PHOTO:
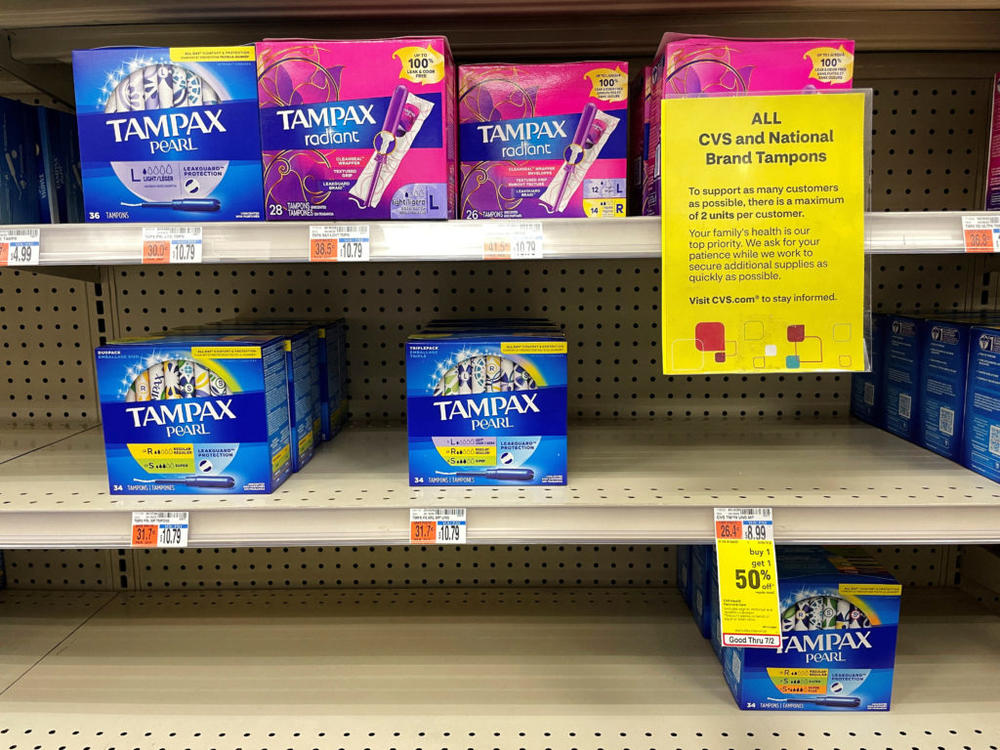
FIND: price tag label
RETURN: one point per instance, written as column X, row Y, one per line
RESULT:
column 171, row 244
column 19, row 246
column 981, row 233
column 513, row 240
column 748, row 577
column 159, row 529
column 342, row 243
column 437, row 525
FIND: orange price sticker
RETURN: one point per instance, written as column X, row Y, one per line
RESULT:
column 728, row 529
column 4, row 248
column 422, row 532
column 978, row 241
column 496, row 248
column 321, row 250
column 144, row 536
column 156, row 251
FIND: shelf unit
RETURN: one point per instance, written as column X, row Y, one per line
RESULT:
column 642, row 482
column 564, row 239
column 453, row 668
column 303, row 619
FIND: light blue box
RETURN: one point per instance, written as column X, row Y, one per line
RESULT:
column 944, row 372
column 867, row 387
column 486, row 407
column 700, row 587
column 195, row 413
column 839, row 612
column 902, row 376
column 169, row 134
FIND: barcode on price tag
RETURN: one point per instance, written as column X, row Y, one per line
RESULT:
column 513, row 240
column 171, row 244
column 343, row 243
column 19, row 246
column 981, row 233
column 159, row 528
column 437, row 525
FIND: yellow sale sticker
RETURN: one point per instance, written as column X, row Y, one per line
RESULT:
column 748, row 578
column 831, row 65
column 420, row 64
column 607, row 85
column 763, row 233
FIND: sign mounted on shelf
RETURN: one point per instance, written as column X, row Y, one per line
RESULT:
column 512, row 240
column 19, row 246
column 763, row 233
column 748, row 578
column 343, row 243
column 160, row 528
column 171, row 244
column 437, row 526
column 981, row 233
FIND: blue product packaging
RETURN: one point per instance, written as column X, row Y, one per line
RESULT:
column 169, row 134
column 714, row 613
column 19, row 184
column 684, row 572
column 867, row 387
column 839, row 617
column 945, row 357
column 195, row 414
column 486, row 407
column 901, row 404
column 333, row 380
column 981, row 450
column 700, row 593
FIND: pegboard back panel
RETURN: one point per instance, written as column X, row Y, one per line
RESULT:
column 610, row 310
column 928, row 143
column 476, row 566
column 47, row 338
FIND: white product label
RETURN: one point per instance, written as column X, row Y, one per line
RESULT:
column 994, row 447
column 513, row 240
column 904, row 405
column 19, row 246
column 870, row 394
column 159, row 528
column 344, row 243
column 946, row 421
column 437, row 525
column 171, row 244
column 981, row 233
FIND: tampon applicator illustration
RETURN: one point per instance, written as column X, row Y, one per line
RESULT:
column 510, row 475
column 181, row 204
column 833, row 701
column 399, row 118
column 573, row 154
column 216, row 482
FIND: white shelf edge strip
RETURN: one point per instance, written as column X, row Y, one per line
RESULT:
column 634, row 237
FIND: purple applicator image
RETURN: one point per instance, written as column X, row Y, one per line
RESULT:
column 399, row 120
column 588, row 138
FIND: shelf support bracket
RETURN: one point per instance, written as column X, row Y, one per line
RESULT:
column 54, row 79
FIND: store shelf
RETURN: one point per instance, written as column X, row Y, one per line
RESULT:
column 636, row 481
column 288, row 242
column 17, row 440
column 454, row 669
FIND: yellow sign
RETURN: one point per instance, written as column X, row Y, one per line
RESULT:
column 420, row 64
column 748, row 578
column 212, row 54
column 763, row 233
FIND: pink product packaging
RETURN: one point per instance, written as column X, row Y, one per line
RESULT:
column 691, row 64
column 993, row 163
column 543, row 140
column 360, row 129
